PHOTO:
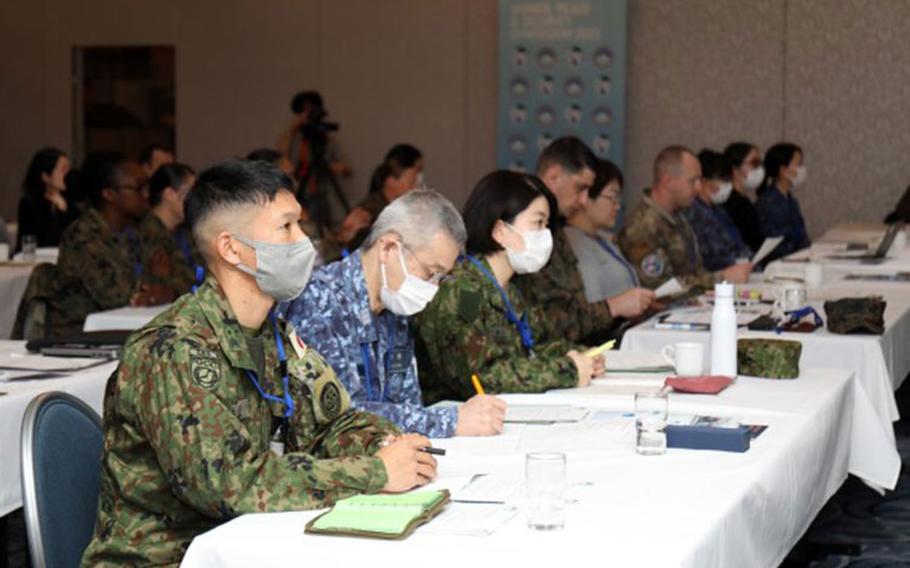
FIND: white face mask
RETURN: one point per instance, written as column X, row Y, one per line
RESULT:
column 722, row 194
column 800, row 177
column 538, row 246
column 754, row 179
column 413, row 295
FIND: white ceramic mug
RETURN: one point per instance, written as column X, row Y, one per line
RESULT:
column 790, row 296
column 686, row 357
column 814, row 274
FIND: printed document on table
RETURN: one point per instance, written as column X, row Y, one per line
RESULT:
column 470, row 519
column 766, row 248
column 544, row 413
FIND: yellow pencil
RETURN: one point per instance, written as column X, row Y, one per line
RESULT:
column 594, row 352
column 477, row 386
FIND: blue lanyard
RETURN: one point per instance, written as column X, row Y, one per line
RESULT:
column 198, row 269
column 132, row 247
column 286, row 400
column 618, row 257
column 372, row 379
column 524, row 330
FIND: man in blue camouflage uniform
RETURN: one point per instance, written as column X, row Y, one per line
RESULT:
column 355, row 313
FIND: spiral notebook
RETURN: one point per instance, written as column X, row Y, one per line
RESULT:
column 380, row 516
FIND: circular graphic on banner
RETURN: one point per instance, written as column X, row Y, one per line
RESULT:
column 543, row 140
column 518, row 145
column 576, row 56
column 602, row 85
column 601, row 144
column 546, row 58
column 519, row 87
column 518, row 114
column 601, row 116
column 546, row 85
column 603, row 57
column 573, row 115
column 574, row 87
column 546, row 116
column 520, row 56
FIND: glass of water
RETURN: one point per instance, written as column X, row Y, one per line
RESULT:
column 29, row 247
column 545, row 480
column 651, row 423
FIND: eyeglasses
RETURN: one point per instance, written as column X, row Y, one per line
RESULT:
column 435, row 278
column 615, row 198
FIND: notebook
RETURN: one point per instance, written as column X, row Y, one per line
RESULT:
column 380, row 516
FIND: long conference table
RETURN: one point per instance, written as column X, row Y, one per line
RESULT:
column 686, row 508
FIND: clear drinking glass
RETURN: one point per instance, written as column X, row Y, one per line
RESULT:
column 651, row 423
column 29, row 247
column 545, row 481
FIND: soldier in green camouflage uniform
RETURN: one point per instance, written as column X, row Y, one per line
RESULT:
column 98, row 268
column 167, row 252
column 479, row 322
column 658, row 241
column 201, row 421
column 566, row 167
column 464, row 331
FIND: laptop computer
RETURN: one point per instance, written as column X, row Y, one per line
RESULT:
column 878, row 256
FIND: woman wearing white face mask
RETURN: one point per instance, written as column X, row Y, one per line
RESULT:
column 748, row 174
column 479, row 323
column 778, row 209
column 719, row 240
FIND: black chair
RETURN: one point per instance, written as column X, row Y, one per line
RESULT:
column 62, row 442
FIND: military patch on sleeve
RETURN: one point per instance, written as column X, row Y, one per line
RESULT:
column 330, row 401
column 204, row 368
column 469, row 305
column 653, row 265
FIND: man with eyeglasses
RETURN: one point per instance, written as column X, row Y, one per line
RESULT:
column 99, row 266
column 355, row 313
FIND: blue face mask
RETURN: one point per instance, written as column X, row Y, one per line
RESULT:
column 282, row 269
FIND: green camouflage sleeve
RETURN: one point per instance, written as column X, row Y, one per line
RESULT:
column 353, row 434
column 102, row 266
column 162, row 262
column 654, row 263
column 559, row 291
column 216, row 455
column 461, row 341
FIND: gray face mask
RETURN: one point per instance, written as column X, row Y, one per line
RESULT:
column 282, row 269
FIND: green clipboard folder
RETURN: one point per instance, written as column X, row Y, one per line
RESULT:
column 391, row 517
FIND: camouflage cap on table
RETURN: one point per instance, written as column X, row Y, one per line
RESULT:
column 768, row 358
column 856, row 315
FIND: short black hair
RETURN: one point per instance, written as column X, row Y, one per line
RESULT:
column 169, row 175
column 265, row 155
column 776, row 157
column 500, row 196
column 605, row 172
column 737, row 152
column 715, row 165
column 234, row 183
column 301, row 99
column 399, row 158
column 568, row 152
column 99, row 171
column 43, row 162
column 145, row 157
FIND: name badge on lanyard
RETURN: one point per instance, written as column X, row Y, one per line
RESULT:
column 399, row 360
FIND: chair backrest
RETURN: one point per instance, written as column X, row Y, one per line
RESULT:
column 62, row 442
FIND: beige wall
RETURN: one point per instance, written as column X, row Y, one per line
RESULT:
column 832, row 75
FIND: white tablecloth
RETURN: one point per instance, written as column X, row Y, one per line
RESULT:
column 879, row 363
column 122, row 318
column 687, row 508
column 13, row 280
column 88, row 385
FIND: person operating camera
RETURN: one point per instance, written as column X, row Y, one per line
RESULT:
column 307, row 140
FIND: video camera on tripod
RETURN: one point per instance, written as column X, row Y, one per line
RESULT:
column 314, row 130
